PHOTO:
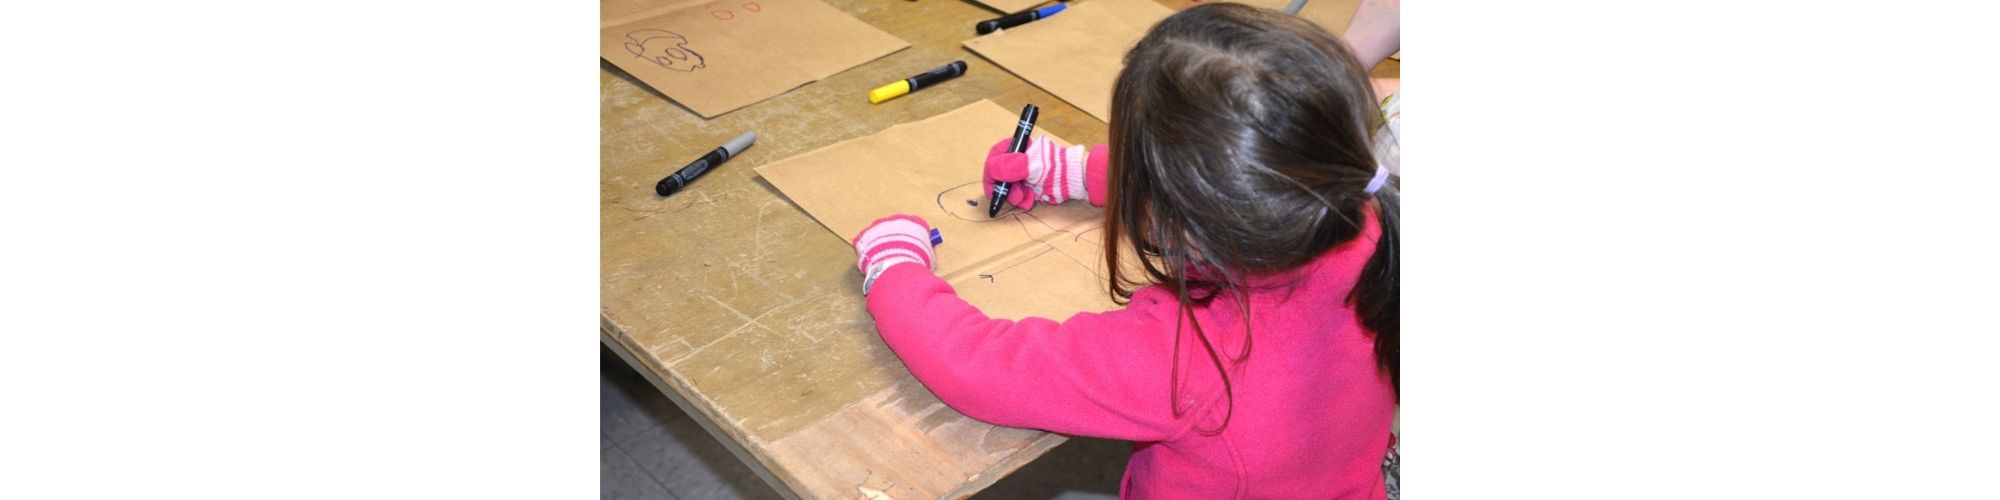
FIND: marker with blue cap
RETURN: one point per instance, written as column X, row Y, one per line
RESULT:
column 1017, row 19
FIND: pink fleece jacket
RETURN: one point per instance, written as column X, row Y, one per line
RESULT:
column 1311, row 412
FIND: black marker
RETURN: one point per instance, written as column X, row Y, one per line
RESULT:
column 1020, row 145
column 929, row 78
column 1016, row 19
column 687, row 174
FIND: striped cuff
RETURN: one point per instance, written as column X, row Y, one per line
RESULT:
column 882, row 266
column 1073, row 169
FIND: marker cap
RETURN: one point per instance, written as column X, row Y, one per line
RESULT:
column 740, row 143
column 890, row 91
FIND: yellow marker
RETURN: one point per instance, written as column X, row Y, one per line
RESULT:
column 929, row 78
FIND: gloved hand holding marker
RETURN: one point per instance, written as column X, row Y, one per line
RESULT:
column 1039, row 170
column 1021, row 130
column 1047, row 172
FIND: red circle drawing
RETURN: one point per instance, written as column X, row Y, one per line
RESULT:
column 722, row 14
column 753, row 7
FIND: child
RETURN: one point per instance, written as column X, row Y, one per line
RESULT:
column 1241, row 170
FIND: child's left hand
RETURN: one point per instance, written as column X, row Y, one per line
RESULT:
column 892, row 240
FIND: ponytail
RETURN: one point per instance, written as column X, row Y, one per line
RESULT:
column 1377, row 296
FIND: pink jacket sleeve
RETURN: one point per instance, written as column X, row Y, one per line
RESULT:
column 1097, row 374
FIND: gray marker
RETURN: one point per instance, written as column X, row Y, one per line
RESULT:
column 687, row 174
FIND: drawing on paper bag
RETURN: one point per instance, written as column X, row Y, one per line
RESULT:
column 1056, row 242
column 664, row 48
column 1046, row 262
column 723, row 55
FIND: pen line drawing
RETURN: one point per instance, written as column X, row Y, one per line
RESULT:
column 1022, row 218
column 664, row 48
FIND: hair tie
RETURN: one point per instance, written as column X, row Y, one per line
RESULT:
column 1375, row 184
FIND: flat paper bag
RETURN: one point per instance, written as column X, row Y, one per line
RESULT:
column 1334, row 15
column 1077, row 54
column 1047, row 262
column 615, row 12
column 1011, row 6
column 723, row 55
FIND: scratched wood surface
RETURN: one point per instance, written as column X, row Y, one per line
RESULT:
column 748, row 314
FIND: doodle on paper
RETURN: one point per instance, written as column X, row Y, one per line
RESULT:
column 664, row 48
column 1036, row 229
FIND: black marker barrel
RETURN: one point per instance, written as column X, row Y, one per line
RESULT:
column 1022, row 130
column 1016, row 19
column 932, row 77
column 907, row 85
column 687, row 174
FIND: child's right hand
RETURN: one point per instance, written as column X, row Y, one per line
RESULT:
column 1046, row 172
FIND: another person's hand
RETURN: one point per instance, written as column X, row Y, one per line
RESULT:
column 1375, row 31
column 889, row 241
column 1046, row 172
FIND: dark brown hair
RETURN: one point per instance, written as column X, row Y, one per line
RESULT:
column 1240, row 146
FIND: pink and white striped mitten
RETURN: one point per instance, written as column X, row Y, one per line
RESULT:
column 892, row 240
column 1046, row 172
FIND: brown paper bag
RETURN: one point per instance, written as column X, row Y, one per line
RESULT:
column 616, row 12
column 722, row 55
column 1077, row 54
column 1334, row 15
column 1008, row 6
column 1047, row 262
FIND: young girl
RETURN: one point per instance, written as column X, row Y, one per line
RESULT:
column 1256, row 356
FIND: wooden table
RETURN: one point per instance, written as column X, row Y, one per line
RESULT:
column 749, row 315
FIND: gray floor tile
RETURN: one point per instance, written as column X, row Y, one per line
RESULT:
column 1083, row 468
column 665, row 443
column 620, row 478
column 707, row 469
column 1079, row 495
column 651, row 450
